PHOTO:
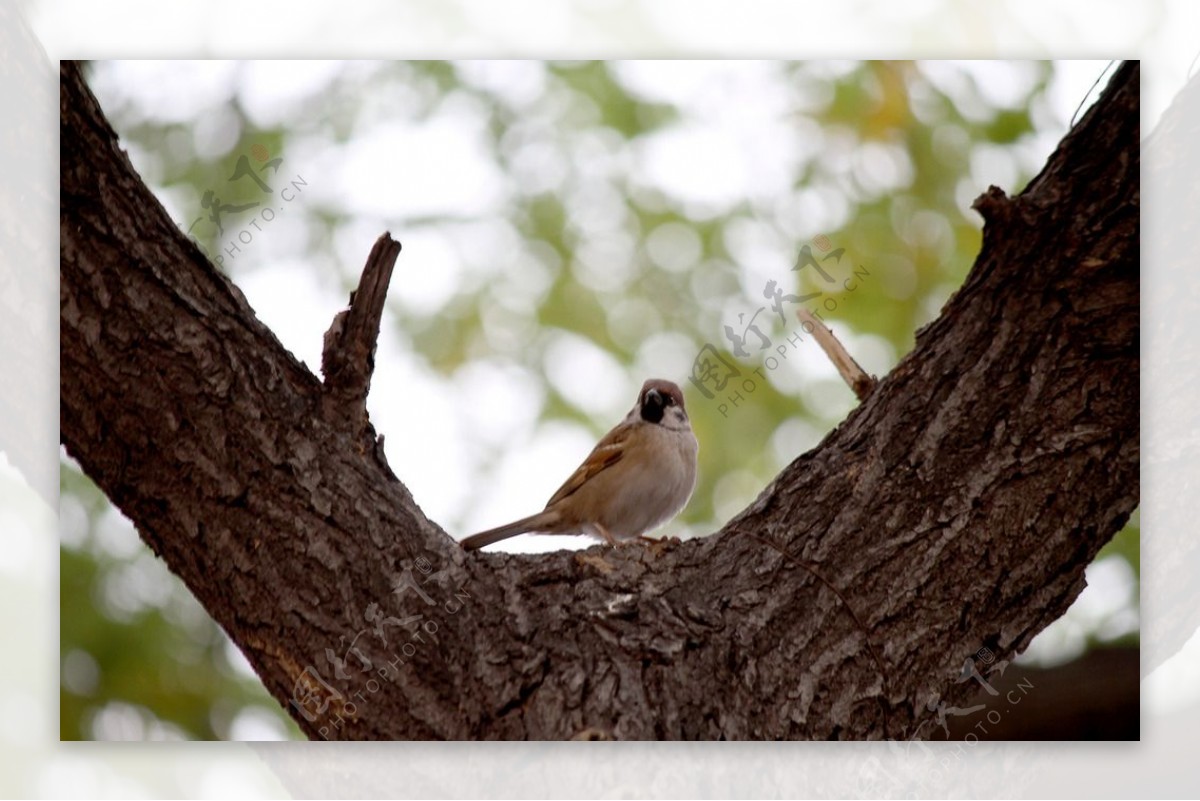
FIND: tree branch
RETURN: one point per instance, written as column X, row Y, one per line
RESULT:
column 855, row 377
column 956, row 507
column 348, row 358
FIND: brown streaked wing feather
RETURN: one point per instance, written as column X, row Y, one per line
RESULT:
column 607, row 452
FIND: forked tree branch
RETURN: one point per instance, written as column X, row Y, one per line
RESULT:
column 956, row 508
column 348, row 357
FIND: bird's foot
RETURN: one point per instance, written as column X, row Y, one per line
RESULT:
column 606, row 535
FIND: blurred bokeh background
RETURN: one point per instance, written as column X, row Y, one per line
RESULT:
column 569, row 230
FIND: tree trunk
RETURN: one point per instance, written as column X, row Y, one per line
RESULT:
column 955, row 509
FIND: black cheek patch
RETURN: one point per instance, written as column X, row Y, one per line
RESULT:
column 652, row 409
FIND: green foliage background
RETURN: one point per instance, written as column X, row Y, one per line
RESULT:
column 595, row 256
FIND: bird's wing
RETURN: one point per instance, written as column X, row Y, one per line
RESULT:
column 607, row 452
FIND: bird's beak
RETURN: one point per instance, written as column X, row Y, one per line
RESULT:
column 653, row 406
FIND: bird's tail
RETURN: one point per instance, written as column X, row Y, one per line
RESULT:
column 537, row 522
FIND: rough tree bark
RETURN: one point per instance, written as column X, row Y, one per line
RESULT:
column 956, row 508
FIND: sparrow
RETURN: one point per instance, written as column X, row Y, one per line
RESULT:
column 636, row 478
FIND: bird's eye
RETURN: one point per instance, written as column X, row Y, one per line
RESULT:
column 669, row 400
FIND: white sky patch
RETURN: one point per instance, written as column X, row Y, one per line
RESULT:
column 792, row 438
column 992, row 165
column 738, row 136
column 299, row 316
column 439, row 167
column 424, row 439
column 1002, row 83
column 606, row 263
column 665, row 354
column 216, row 133
column 630, row 321
column 705, row 169
column 135, row 586
column 237, row 661
column 115, row 535
column 73, row 524
column 881, row 168
column 539, row 167
column 596, row 207
column 489, row 245
column 674, row 246
column 429, row 270
column 164, row 91
column 733, row 491
column 272, row 91
column 812, row 210
column 517, row 82
column 499, row 401
column 80, row 672
column 762, row 254
column 587, row 376
column 256, row 724
column 1109, row 594
column 672, row 81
